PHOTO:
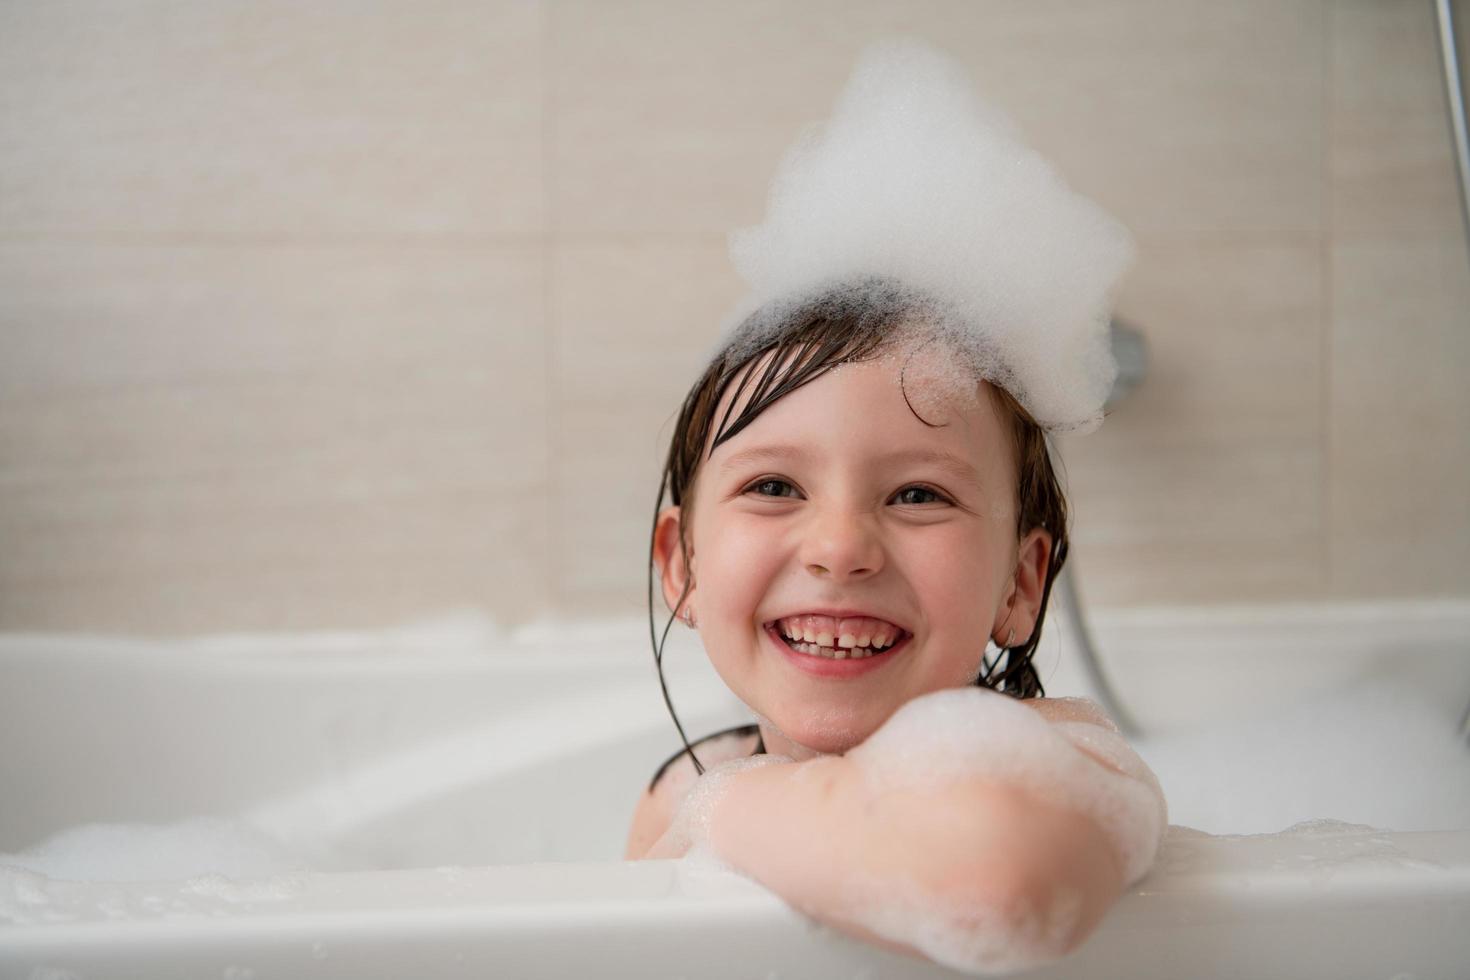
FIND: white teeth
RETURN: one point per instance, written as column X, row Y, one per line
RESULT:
column 831, row 653
column 846, row 646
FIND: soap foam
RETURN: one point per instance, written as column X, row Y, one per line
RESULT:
column 1085, row 766
column 689, row 828
column 975, row 938
column 934, row 374
column 946, row 735
column 916, row 194
column 1065, row 752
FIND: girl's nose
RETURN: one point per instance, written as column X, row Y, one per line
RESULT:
column 842, row 544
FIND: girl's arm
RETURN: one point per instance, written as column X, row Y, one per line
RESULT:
column 979, row 864
column 978, row 871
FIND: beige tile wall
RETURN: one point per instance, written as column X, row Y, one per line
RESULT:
column 1398, row 422
column 311, row 316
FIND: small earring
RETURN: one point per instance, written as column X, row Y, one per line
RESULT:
column 1011, row 639
column 689, row 618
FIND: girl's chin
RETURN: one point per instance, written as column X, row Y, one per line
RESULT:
column 808, row 744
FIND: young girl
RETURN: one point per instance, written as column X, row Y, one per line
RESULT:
column 860, row 499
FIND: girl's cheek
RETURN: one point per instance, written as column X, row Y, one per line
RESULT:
column 951, row 567
column 745, row 543
column 739, row 561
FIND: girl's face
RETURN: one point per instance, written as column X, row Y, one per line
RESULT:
column 838, row 503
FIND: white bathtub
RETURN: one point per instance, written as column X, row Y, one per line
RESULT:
column 461, row 799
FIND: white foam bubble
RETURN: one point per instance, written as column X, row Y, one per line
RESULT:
column 946, row 735
column 958, row 732
column 1068, row 754
column 975, row 938
column 689, row 829
column 917, row 191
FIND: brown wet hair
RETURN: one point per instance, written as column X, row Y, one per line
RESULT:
column 807, row 341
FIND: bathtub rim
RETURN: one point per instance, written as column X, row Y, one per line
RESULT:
column 1244, row 888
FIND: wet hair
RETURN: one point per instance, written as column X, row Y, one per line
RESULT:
column 810, row 340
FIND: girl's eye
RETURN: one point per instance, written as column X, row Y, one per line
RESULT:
column 936, row 495
column 764, row 488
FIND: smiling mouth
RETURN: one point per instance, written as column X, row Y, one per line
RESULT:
column 866, row 638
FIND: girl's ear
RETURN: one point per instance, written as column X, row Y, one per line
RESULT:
column 1023, row 606
column 668, row 557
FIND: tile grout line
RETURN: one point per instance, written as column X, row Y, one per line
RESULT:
column 345, row 242
column 1327, row 338
column 551, row 570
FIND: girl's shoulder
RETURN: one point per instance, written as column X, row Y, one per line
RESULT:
column 732, row 743
column 655, row 810
column 1072, row 709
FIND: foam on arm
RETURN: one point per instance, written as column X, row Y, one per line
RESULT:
column 1077, row 761
column 969, row 829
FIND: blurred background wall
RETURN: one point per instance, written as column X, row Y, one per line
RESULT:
column 340, row 314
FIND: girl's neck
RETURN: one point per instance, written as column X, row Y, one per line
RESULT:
column 778, row 744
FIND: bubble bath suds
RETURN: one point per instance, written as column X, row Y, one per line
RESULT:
column 1073, row 758
column 690, row 826
column 952, row 734
column 915, row 192
column 960, row 732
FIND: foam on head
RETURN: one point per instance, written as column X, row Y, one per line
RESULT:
column 917, row 193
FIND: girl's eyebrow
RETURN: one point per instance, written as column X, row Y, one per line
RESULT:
column 950, row 463
column 765, row 454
